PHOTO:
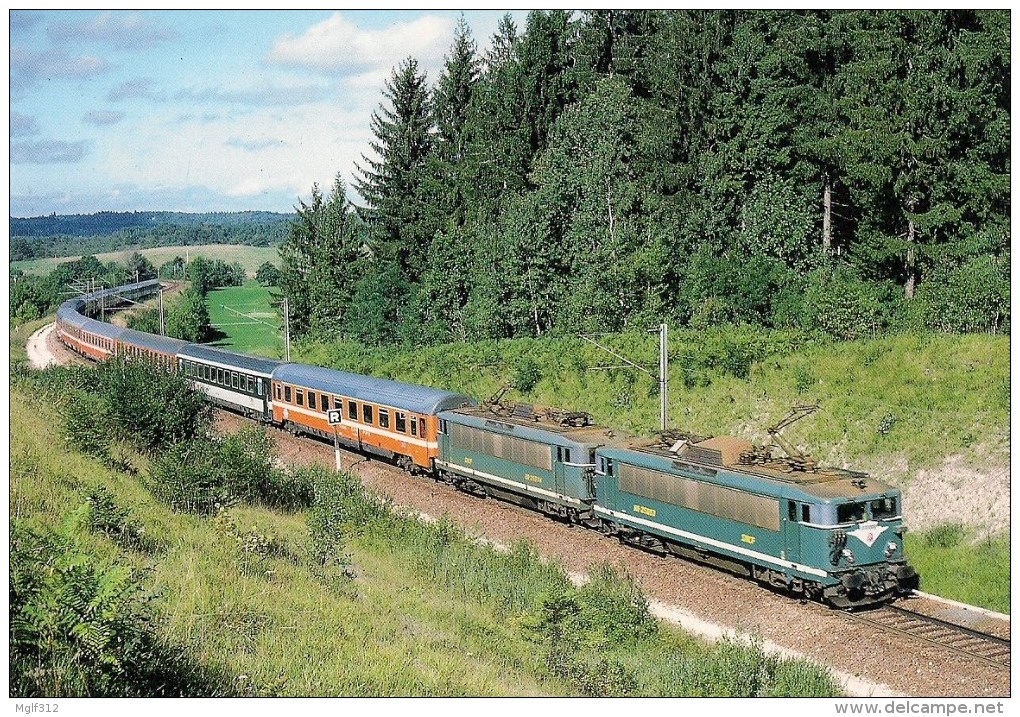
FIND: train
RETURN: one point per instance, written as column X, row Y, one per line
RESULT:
column 830, row 535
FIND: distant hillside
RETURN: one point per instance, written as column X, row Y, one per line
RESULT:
column 103, row 223
column 74, row 235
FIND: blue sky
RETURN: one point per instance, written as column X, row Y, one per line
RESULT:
column 203, row 111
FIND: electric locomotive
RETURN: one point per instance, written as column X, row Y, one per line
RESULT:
column 826, row 534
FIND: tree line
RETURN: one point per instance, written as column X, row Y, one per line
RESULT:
column 840, row 170
column 248, row 234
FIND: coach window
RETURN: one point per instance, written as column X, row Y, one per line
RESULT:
column 300, row 397
column 286, row 394
column 258, row 386
column 384, row 418
column 352, row 410
column 414, row 425
column 311, row 400
column 401, row 422
column 234, row 380
column 324, row 403
column 277, row 393
column 338, row 403
column 366, row 413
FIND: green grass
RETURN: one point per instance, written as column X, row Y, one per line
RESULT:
column 908, row 399
column 954, row 564
column 250, row 257
column 247, row 335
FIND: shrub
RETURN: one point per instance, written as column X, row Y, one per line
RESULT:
column 187, row 477
column 572, row 623
column 248, row 466
column 198, row 475
column 104, row 516
column 150, row 406
column 526, row 374
column 82, row 627
column 86, row 425
column 842, row 305
column 972, row 297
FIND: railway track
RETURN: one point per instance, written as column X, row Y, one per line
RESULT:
column 990, row 649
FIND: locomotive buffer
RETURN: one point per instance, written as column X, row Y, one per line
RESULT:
column 333, row 417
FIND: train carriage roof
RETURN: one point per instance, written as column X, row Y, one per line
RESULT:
column 151, row 342
column 100, row 328
column 70, row 312
column 406, row 396
column 537, row 427
column 774, row 478
column 229, row 359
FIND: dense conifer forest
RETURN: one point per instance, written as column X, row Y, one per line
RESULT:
column 846, row 171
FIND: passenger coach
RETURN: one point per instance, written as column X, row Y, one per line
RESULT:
column 235, row 381
column 390, row 419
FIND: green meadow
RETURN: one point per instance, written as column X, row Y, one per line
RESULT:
column 247, row 319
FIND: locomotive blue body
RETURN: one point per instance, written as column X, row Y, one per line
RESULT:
column 827, row 534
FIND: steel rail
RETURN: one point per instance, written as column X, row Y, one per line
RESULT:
column 991, row 649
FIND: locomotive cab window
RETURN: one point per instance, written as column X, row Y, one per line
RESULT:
column 805, row 513
column 791, row 512
column 883, row 508
column 443, row 427
column 850, row 512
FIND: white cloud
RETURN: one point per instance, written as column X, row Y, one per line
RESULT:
column 337, row 44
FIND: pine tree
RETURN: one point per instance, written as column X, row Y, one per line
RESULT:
column 390, row 182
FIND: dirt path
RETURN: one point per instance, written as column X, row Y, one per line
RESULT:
column 866, row 661
column 44, row 349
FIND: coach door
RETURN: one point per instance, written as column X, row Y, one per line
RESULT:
column 791, row 531
column 562, row 456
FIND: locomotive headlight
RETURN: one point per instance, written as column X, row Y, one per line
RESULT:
column 849, row 555
column 890, row 549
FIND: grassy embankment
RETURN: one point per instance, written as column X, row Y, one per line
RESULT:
column 422, row 608
column 255, row 335
column 890, row 405
column 250, row 257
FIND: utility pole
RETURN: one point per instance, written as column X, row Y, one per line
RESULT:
column 662, row 376
column 286, row 327
column 162, row 321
